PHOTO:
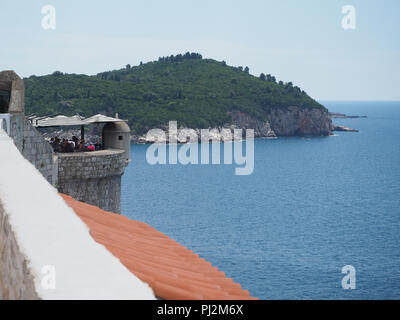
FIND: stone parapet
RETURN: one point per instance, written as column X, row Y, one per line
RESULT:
column 92, row 177
column 16, row 280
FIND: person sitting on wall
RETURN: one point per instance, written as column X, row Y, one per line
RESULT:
column 91, row 148
column 72, row 142
column 98, row 145
column 64, row 145
column 3, row 105
column 56, row 145
column 69, row 147
column 82, row 147
column 76, row 141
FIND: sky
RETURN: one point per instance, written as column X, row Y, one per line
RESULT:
column 301, row 41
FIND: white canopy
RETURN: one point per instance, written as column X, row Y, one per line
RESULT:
column 99, row 118
column 76, row 120
column 58, row 121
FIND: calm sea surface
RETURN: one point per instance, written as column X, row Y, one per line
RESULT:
column 310, row 207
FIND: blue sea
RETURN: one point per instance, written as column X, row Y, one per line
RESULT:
column 311, row 206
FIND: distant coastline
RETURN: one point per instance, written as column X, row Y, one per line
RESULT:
column 336, row 115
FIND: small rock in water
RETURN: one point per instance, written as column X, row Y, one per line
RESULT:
column 343, row 128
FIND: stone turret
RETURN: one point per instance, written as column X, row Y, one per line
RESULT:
column 95, row 177
column 116, row 135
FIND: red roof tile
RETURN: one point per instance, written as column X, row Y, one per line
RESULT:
column 172, row 271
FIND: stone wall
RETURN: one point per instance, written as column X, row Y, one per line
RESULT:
column 93, row 177
column 16, row 281
column 33, row 147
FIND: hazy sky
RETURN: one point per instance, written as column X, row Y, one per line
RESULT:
column 296, row 40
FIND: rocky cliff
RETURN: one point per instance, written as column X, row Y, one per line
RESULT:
column 290, row 121
column 243, row 121
column 295, row 121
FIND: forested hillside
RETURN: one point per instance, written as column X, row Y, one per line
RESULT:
column 197, row 92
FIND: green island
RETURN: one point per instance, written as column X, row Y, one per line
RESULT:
column 196, row 92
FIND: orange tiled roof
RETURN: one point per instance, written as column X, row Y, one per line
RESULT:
column 171, row 270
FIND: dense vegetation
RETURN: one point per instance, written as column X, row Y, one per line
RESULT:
column 196, row 92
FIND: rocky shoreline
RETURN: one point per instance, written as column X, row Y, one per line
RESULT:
column 290, row 121
column 184, row 135
column 335, row 115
